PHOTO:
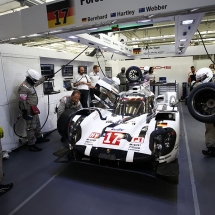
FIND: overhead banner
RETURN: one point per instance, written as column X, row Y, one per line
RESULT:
column 61, row 13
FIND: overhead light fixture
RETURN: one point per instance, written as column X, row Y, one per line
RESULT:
column 92, row 29
column 183, row 40
column 51, row 32
column 187, row 22
column 33, row 35
column 13, row 38
column 128, row 55
column 150, row 16
column 194, row 9
column 72, row 37
column 142, row 21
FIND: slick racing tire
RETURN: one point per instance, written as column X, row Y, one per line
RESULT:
column 133, row 74
column 63, row 121
column 201, row 103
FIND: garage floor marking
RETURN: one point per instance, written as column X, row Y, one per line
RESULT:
column 194, row 192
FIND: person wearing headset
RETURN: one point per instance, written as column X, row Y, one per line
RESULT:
column 28, row 101
column 82, row 83
column 94, row 77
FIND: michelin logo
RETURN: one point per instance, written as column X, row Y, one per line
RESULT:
column 152, row 8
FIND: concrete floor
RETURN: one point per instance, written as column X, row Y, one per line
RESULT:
column 44, row 187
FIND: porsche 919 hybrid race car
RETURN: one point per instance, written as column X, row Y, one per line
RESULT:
column 130, row 130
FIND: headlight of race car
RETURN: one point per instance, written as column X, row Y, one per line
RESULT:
column 143, row 131
column 162, row 141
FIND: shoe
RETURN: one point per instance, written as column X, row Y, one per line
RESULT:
column 42, row 140
column 34, row 148
column 62, row 139
column 5, row 188
column 209, row 152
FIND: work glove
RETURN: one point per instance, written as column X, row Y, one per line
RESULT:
column 1, row 132
column 26, row 116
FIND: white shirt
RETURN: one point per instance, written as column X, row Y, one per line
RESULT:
column 94, row 77
column 82, row 78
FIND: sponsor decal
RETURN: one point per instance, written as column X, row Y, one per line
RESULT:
column 89, row 1
column 152, row 8
column 137, row 139
column 113, row 138
column 90, row 19
column 106, row 40
column 116, row 44
column 60, row 13
column 134, row 147
column 117, row 129
column 94, row 135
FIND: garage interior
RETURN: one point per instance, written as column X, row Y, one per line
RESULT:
column 42, row 186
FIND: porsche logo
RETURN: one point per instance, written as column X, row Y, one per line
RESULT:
column 108, row 150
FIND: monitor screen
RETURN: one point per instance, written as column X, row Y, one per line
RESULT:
column 85, row 69
column 67, row 70
column 47, row 69
column 48, row 86
column 67, row 84
column 162, row 79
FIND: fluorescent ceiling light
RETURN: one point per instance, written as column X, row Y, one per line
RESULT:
column 150, row 16
column 92, row 29
column 128, row 55
column 142, row 21
column 33, row 35
column 13, row 38
column 51, row 32
column 194, row 9
column 183, row 40
column 187, row 22
column 72, row 37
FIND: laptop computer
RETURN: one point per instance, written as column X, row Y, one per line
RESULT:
column 48, row 88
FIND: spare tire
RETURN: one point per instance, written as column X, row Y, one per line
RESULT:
column 133, row 74
column 201, row 103
column 63, row 121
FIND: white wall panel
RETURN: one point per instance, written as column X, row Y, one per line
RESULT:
column 8, row 141
column 201, row 63
column 14, row 70
column 3, row 97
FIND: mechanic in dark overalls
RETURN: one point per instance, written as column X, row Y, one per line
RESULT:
column 123, row 80
column 191, row 77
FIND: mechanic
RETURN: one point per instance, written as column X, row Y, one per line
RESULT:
column 94, row 77
column 68, row 102
column 152, row 77
column 6, row 187
column 123, row 80
column 82, row 83
column 205, row 75
column 28, row 101
column 212, row 68
column 191, row 77
column 146, row 78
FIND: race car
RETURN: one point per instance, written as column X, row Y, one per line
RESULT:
column 133, row 131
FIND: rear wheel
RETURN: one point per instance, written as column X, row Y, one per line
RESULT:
column 201, row 103
column 133, row 74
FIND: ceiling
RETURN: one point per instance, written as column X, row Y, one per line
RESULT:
column 161, row 33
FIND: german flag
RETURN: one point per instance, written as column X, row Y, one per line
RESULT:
column 137, row 51
column 163, row 125
column 60, row 13
column 84, row 19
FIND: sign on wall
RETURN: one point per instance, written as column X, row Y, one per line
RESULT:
column 61, row 13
